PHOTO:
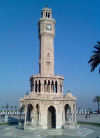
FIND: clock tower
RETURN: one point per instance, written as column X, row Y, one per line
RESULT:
column 46, row 37
column 46, row 106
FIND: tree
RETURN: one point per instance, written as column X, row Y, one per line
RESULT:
column 95, row 58
column 97, row 100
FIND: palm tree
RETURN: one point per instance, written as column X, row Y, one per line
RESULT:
column 97, row 100
column 95, row 58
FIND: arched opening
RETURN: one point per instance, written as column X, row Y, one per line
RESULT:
column 51, row 117
column 41, row 14
column 39, row 86
column 32, row 84
column 45, row 86
column 48, row 87
column 29, row 113
column 56, row 86
column 37, row 112
column 32, row 87
column 52, row 86
column 36, row 86
column 67, row 112
column 46, row 14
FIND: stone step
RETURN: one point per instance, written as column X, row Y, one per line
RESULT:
column 54, row 132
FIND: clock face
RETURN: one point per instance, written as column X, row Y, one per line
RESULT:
column 48, row 27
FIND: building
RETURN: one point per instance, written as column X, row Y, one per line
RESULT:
column 46, row 106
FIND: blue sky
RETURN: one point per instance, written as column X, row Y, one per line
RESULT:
column 77, row 31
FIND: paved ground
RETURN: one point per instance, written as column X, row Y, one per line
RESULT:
column 13, row 132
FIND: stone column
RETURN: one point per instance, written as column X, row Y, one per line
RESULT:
column 72, row 117
column 34, row 87
column 50, row 86
column 58, row 87
column 62, row 88
column 44, row 115
column 42, row 86
column 75, row 112
column 63, row 117
column 32, row 115
column 37, row 86
column 25, row 115
column 72, row 113
column 34, row 119
column 59, row 118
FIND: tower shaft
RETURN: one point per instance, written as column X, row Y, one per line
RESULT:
column 46, row 37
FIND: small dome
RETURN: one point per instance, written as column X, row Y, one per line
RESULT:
column 69, row 94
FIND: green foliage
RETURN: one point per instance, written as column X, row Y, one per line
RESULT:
column 89, row 123
column 3, row 123
column 95, row 58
